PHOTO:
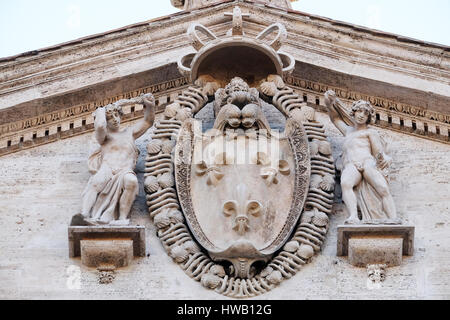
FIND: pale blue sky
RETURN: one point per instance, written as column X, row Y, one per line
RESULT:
column 27, row 25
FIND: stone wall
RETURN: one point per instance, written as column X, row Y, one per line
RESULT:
column 42, row 188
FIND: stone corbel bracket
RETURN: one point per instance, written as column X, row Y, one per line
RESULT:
column 106, row 247
column 370, row 246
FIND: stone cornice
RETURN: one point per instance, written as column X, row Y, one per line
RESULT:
column 384, row 104
column 341, row 59
column 335, row 44
column 78, row 119
column 84, row 109
column 306, row 27
column 63, row 83
column 338, row 45
column 390, row 114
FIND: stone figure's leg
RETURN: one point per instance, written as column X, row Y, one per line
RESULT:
column 96, row 185
column 130, row 190
column 379, row 183
column 349, row 179
column 89, row 198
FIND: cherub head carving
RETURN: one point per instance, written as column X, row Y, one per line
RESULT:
column 376, row 272
column 238, row 105
column 236, row 84
column 239, row 93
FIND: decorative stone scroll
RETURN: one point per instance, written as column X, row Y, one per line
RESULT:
column 237, row 216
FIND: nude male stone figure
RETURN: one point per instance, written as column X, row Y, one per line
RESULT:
column 113, row 187
column 363, row 159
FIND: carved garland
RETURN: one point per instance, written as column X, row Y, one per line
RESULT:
column 164, row 206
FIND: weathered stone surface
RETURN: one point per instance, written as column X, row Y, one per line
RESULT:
column 42, row 190
column 97, row 253
column 363, row 251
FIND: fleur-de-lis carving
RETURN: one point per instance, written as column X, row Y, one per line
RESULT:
column 214, row 173
column 241, row 209
column 269, row 172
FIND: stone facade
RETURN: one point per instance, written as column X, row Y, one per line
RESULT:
column 43, row 186
column 48, row 96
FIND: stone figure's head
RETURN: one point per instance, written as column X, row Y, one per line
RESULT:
column 236, row 84
column 363, row 112
column 237, row 92
column 113, row 116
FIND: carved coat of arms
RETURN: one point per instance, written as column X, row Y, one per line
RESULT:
column 240, row 206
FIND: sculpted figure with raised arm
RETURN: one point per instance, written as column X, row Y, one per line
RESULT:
column 364, row 159
column 113, row 186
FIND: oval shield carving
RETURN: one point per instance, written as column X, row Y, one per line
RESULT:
column 240, row 207
column 242, row 186
column 256, row 200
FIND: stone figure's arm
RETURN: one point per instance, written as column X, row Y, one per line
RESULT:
column 336, row 118
column 100, row 124
column 383, row 160
column 149, row 116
